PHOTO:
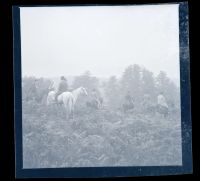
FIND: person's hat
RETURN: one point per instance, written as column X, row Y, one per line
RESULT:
column 63, row 78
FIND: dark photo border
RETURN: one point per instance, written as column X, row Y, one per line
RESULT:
column 94, row 172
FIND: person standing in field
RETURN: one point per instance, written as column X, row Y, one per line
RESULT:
column 129, row 98
column 95, row 98
column 33, row 90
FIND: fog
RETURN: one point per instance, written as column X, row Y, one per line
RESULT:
column 103, row 39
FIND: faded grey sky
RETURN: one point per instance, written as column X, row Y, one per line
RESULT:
column 103, row 39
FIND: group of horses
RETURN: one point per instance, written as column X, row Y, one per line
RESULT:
column 147, row 109
column 69, row 99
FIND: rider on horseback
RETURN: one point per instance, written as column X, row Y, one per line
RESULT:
column 129, row 98
column 33, row 91
column 95, row 98
column 146, row 101
column 162, row 104
column 129, row 102
column 161, row 101
column 63, row 86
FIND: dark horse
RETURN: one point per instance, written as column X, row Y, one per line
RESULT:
column 162, row 110
column 95, row 103
column 128, row 106
column 157, row 109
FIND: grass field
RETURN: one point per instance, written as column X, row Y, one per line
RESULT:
column 98, row 138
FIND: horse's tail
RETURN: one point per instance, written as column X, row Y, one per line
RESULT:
column 68, row 103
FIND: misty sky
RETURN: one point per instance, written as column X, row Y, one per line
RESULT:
column 105, row 40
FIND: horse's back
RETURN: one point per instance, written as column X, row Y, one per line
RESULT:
column 50, row 97
column 67, row 97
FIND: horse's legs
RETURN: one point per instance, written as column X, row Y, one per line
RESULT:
column 72, row 112
column 166, row 113
column 67, row 115
column 66, row 112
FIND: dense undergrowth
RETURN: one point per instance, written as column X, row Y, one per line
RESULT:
column 98, row 138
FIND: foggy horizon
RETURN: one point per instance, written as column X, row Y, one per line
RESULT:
column 104, row 40
column 100, row 77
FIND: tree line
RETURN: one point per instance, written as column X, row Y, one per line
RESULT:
column 135, row 79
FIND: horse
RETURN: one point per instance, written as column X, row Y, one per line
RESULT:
column 68, row 99
column 163, row 110
column 95, row 103
column 128, row 106
column 156, row 108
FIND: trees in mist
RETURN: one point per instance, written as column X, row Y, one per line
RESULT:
column 139, row 81
column 135, row 79
column 86, row 80
column 112, row 92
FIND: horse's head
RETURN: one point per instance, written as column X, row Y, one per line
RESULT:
column 52, row 87
column 83, row 91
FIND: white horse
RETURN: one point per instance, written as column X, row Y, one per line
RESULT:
column 68, row 99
